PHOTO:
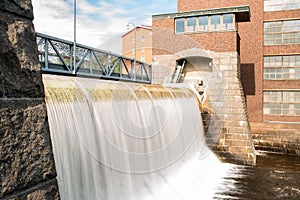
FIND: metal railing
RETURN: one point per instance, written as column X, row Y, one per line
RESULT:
column 56, row 56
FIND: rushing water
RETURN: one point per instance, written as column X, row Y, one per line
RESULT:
column 115, row 140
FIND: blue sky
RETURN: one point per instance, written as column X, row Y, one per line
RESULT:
column 97, row 20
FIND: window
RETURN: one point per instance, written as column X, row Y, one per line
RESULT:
column 272, row 5
column 291, row 4
column 179, row 23
column 282, row 103
column 215, row 22
column 133, row 50
column 143, row 49
column 276, row 5
column 143, row 39
column 191, row 24
column 282, row 32
column 143, row 58
column 228, row 22
column 203, row 23
column 133, row 40
column 282, row 67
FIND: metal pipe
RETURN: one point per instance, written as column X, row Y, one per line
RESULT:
column 74, row 51
column 134, row 61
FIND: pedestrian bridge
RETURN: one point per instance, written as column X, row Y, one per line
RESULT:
column 57, row 56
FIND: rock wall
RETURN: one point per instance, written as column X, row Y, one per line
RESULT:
column 26, row 159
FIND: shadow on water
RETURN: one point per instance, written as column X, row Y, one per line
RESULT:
column 274, row 177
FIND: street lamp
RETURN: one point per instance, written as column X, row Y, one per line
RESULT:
column 134, row 61
column 74, row 50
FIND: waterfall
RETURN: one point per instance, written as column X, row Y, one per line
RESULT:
column 116, row 140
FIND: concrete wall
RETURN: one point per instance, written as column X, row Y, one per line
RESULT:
column 26, row 159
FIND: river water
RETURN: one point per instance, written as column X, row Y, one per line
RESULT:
column 274, row 177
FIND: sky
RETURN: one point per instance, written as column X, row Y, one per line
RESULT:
column 100, row 23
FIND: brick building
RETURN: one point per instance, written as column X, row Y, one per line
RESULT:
column 142, row 44
column 261, row 39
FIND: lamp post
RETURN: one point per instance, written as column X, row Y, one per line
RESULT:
column 74, row 48
column 134, row 59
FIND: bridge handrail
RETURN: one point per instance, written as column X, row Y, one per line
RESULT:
column 56, row 56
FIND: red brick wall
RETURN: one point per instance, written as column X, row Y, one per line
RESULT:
column 165, row 41
column 281, row 49
column 286, row 84
column 291, row 14
column 217, row 41
column 168, row 24
column 187, row 5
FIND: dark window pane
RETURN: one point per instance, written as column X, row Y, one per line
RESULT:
column 179, row 23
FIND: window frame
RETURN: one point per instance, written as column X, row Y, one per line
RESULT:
column 280, row 6
column 288, row 65
column 284, row 32
column 176, row 25
column 220, row 26
column 288, row 103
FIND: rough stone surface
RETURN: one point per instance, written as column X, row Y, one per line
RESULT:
column 22, row 8
column 20, row 71
column 26, row 154
column 44, row 191
column 27, row 169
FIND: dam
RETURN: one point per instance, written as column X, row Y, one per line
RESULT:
column 116, row 140
column 151, row 168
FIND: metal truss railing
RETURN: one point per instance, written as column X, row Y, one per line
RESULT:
column 56, row 56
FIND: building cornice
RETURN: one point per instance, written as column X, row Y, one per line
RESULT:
column 242, row 13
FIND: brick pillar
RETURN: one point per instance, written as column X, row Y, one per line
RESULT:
column 27, row 167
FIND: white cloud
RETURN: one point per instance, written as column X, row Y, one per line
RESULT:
column 97, row 22
column 87, row 8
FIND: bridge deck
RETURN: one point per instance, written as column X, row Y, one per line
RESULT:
column 56, row 56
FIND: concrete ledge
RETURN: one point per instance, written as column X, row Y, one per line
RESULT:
column 282, row 138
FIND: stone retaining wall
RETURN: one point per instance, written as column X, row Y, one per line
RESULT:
column 227, row 99
column 26, row 159
column 277, row 137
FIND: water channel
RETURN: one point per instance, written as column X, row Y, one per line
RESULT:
column 120, row 141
